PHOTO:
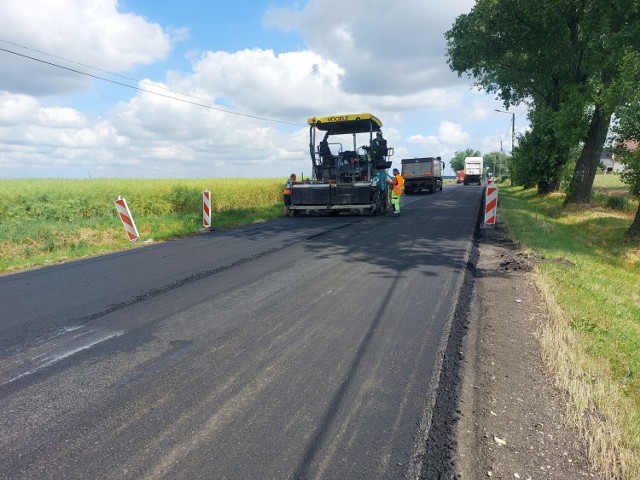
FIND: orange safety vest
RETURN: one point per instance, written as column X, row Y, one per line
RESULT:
column 287, row 187
column 398, row 185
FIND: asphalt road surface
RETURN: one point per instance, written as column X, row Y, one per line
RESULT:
column 296, row 348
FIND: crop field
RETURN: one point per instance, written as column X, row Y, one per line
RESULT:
column 49, row 220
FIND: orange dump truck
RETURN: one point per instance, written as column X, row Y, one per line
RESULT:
column 460, row 176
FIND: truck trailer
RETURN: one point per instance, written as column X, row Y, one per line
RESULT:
column 473, row 170
column 422, row 174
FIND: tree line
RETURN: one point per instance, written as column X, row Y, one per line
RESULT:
column 576, row 65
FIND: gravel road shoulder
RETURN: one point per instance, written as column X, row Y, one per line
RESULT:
column 512, row 422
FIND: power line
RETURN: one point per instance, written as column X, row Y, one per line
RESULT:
column 97, row 77
column 101, row 70
column 119, row 75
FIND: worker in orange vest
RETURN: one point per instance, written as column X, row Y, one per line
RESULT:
column 397, row 189
column 286, row 194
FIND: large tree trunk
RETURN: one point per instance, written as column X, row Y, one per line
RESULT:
column 634, row 229
column 587, row 165
column 548, row 186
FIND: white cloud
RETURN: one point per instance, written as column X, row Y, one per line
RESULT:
column 429, row 141
column 60, row 117
column 387, row 59
column 394, row 48
column 449, row 138
column 452, row 134
column 17, row 108
column 285, row 85
column 92, row 33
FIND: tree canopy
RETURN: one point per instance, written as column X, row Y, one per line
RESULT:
column 564, row 59
column 496, row 162
column 626, row 133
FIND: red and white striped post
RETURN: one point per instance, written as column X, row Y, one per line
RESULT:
column 490, row 206
column 206, row 209
column 127, row 219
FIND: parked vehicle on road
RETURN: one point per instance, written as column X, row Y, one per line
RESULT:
column 346, row 177
column 422, row 174
column 473, row 170
column 460, row 176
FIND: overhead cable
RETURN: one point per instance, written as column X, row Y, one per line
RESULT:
column 134, row 87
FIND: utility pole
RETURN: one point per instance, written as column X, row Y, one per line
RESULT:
column 513, row 129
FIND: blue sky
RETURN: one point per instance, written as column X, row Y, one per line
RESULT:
column 258, row 60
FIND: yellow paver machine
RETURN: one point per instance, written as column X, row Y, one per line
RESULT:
column 346, row 178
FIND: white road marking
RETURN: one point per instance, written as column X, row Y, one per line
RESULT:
column 48, row 361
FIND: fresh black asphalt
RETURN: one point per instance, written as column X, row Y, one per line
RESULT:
column 305, row 347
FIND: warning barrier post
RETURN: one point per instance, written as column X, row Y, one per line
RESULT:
column 490, row 206
column 127, row 219
column 206, row 209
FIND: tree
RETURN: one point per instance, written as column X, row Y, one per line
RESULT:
column 523, row 51
column 627, row 130
column 497, row 163
column 560, row 56
column 522, row 162
column 549, row 153
column 528, row 168
column 617, row 23
column 457, row 161
column 631, row 176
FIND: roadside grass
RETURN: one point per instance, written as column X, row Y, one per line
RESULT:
column 610, row 191
column 609, row 181
column 589, row 274
column 51, row 220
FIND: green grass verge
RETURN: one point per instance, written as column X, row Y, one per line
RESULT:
column 609, row 181
column 590, row 274
column 50, row 220
column 610, row 192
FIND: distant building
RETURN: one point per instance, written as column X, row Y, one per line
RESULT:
column 608, row 158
